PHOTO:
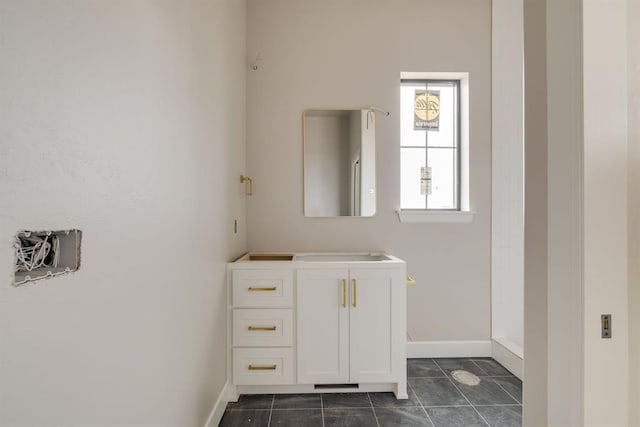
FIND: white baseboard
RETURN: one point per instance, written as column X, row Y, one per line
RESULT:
column 226, row 395
column 508, row 355
column 449, row 349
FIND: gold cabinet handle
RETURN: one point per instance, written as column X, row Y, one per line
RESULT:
column 262, row 367
column 344, row 293
column 410, row 281
column 355, row 292
column 261, row 328
column 259, row 289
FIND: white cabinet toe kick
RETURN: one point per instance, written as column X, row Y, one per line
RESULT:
column 336, row 323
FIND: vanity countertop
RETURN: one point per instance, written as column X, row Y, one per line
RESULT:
column 304, row 258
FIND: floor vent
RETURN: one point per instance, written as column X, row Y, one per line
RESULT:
column 325, row 386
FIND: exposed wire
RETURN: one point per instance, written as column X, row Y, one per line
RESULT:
column 34, row 252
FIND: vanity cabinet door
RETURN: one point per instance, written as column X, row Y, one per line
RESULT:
column 374, row 325
column 323, row 326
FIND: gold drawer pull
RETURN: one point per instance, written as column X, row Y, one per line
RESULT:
column 262, row 368
column 258, row 289
column 261, row 328
column 410, row 281
column 344, row 293
column 355, row 292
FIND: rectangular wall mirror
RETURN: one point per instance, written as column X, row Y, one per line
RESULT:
column 339, row 163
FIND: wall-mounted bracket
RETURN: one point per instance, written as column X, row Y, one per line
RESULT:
column 254, row 64
column 248, row 185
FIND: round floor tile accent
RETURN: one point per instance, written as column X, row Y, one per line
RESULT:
column 465, row 377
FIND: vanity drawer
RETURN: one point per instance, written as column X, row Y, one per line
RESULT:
column 258, row 366
column 263, row 327
column 262, row 288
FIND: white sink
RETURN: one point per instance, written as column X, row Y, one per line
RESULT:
column 342, row 257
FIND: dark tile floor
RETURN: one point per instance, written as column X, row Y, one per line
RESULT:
column 435, row 399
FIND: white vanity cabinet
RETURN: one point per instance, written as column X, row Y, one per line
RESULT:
column 318, row 322
column 348, row 325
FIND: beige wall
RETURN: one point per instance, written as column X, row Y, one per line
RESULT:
column 633, row 17
column 573, row 376
column 126, row 120
column 336, row 53
column 507, row 163
column 605, row 212
column 564, row 198
column 535, row 223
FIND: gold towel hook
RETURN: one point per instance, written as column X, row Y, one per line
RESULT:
column 248, row 184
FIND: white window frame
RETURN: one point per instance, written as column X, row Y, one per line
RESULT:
column 464, row 214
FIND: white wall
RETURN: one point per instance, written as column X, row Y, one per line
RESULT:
column 336, row 53
column 605, row 211
column 125, row 120
column 507, row 195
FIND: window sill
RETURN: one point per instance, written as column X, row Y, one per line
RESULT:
column 415, row 216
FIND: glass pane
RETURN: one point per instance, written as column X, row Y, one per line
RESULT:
column 412, row 159
column 444, row 136
column 408, row 136
column 443, row 178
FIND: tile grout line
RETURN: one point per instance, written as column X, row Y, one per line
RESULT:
column 498, row 404
column 462, row 394
column 497, row 376
column 426, row 378
column 498, row 384
column 421, row 405
column 481, row 370
column 322, row 409
column 273, row 399
column 509, row 394
column 296, row 409
column 373, row 409
column 508, row 375
column 426, row 358
column 366, row 407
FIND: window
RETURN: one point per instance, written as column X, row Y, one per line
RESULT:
column 430, row 144
column 434, row 147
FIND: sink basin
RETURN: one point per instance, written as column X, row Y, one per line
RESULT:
column 342, row 257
